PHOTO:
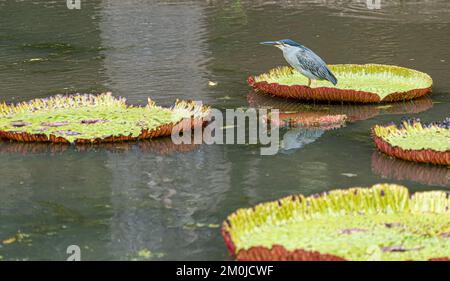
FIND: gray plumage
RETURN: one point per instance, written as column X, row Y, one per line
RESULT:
column 304, row 60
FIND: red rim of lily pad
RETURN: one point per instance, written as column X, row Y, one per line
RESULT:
column 280, row 253
column 333, row 94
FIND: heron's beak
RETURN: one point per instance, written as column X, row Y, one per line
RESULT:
column 273, row 43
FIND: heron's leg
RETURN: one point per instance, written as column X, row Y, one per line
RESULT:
column 309, row 82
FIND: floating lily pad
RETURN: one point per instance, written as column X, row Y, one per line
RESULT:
column 414, row 141
column 384, row 222
column 367, row 83
column 93, row 119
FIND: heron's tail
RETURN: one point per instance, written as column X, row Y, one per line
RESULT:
column 330, row 77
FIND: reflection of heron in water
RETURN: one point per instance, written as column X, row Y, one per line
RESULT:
column 299, row 137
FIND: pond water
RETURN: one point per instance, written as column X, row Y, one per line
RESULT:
column 152, row 200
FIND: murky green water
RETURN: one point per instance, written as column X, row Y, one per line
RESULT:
column 116, row 201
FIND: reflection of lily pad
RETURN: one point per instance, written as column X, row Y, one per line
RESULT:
column 309, row 120
column 354, row 112
column 93, row 119
column 414, row 141
column 160, row 146
column 384, row 222
column 368, row 83
column 397, row 169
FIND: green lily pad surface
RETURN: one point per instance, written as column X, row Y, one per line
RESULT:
column 378, row 223
column 88, row 117
column 382, row 80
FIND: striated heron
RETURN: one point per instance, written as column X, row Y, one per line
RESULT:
column 304, row 60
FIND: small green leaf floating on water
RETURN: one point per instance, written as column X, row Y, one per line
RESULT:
column 19, row 237
column 147, row 254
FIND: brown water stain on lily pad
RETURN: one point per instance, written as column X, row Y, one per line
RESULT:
column 352, row 230
column 399, row 249
column 93, row 121
column 392, row 224
column 68, row 132
column 55, row 124
column 19, row 123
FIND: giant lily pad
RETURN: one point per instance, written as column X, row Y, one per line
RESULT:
column 414, row 141
column 94, row 119
column 367, row 83
column 384, row 222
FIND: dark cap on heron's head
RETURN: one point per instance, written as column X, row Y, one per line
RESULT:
column 282, row 42
column 290, row 42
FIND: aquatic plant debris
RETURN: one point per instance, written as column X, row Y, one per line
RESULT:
column 349, row 175
column 85, row 118
column 18, row 237
column 384, row 222
column 145, row 254
column 367, row 83
column 415, row 141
